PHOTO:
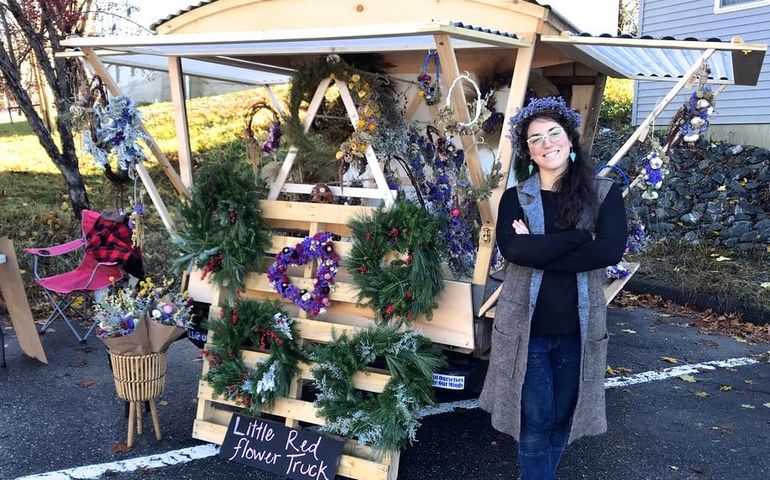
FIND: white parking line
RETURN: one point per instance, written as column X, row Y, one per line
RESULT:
column 209, row 450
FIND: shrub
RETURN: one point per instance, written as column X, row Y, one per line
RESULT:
column 617, row 103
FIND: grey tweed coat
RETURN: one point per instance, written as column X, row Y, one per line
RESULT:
column 501, row 395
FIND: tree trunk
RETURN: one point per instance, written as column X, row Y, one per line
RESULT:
column 65, row 160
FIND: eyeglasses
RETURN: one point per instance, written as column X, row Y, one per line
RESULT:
column 554, row 134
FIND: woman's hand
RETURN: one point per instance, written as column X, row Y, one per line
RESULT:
column 520, row 227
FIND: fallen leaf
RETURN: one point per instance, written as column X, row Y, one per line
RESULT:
column 687, row 378
column 748, row 405
column 722, row 259
column 702, row 394
column 86, row 382
column 624, row 371
column 163, row 403
column 611, row 371
column 725, row 388
column 721, row 188
column 766, row 404
column 120, row 447
column 628, row 330
column 765, row 285
column 749, row 382
column 669, row 359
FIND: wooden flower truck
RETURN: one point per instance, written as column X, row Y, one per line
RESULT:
column 425, row 47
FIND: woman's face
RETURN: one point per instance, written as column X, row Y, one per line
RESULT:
column 549, row 145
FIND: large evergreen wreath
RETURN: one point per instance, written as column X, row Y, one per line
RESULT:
column 223, row 232
column 388, row 420
column 406, row 287
column 258, row 325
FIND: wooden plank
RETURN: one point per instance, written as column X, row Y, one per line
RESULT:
column 284, row 407
column 176, row 82
column 343, row 292
column 115, row 90
column 350, row 466
column 341, row 230
column 353, row 192
column 313, row 212
column 371, row 158
column 283, row 174
column 368, row 381
column 17, row 304
column 613, row 288
column 157, row 200
column 279, row 242
column 591, row 118
column 581, row 101
column 451, row 70
column 452, row 322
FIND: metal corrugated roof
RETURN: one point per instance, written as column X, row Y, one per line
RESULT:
column 667, row 58
column 172, row 16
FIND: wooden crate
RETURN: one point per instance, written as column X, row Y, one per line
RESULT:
column 452, row 325
column 358, row 462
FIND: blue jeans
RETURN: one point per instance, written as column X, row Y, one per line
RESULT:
column 548, row 401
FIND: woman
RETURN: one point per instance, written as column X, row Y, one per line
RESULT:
column 559, row 229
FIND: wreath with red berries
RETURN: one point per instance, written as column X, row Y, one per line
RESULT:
column 317, row 247
column 223, row 233
column 401, row 289
column 253, row 325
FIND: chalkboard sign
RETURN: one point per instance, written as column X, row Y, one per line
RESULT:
column 275, row 448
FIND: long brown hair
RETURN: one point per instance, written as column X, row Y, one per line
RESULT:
column 575, row 187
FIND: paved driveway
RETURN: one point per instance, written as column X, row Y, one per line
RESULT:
column 65, row 417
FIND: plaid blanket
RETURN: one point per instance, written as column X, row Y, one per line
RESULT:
column 110, row 241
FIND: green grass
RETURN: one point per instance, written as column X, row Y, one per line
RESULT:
column 34, row 207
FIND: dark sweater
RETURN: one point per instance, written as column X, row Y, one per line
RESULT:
column 561, row 253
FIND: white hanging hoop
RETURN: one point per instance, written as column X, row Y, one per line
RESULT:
column 466, row 76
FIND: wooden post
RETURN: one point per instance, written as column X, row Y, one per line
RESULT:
column 451, row 70
column 658, row 109
column 591, row 116
column 288, row 162
column 176, row 81
column 100, row 70
column 112, row 86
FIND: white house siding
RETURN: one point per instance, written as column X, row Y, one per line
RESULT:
column 696, row 18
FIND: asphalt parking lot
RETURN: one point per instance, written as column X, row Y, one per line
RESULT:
column 705, row 417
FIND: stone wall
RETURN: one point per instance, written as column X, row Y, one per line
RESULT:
column 715, row 193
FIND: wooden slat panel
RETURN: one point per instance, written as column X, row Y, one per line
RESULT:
column 343, row 292
column 354, row 192
column 369, row 381
column 350, row 466
column 284, row 407
column 342, row 248
column 312, row 212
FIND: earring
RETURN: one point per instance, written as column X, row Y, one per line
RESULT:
column 572, row 156
column 530, row 168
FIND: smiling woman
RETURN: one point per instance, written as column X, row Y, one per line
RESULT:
column 558, row 229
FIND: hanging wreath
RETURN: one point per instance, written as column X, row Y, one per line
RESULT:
column 223, row 233
column 386, row 421
column 318, row 247
column 115, row 131
column 430, row 88
column 402, row 289
column 273, row 140
column 653, row 172
column 697, row 112
column 257, row 325
column 446, row 114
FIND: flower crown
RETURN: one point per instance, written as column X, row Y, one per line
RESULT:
column 536, row 108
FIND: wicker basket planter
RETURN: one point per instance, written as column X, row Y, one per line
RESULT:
column 139, row 378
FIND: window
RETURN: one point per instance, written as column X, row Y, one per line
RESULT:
column 723, row 6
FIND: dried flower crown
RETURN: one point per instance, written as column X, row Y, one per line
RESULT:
column 537, row 107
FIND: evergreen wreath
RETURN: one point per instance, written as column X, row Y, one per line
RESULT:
column 259, row 325
column 406, row 287
column 320, row 247
column 386, row 421
column 223, row 232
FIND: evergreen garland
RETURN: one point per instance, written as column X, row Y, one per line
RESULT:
column 386, row 421
column 259, row 325
column 223, row 232
column 406, row 287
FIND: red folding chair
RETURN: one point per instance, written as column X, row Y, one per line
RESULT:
column 91, row 275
